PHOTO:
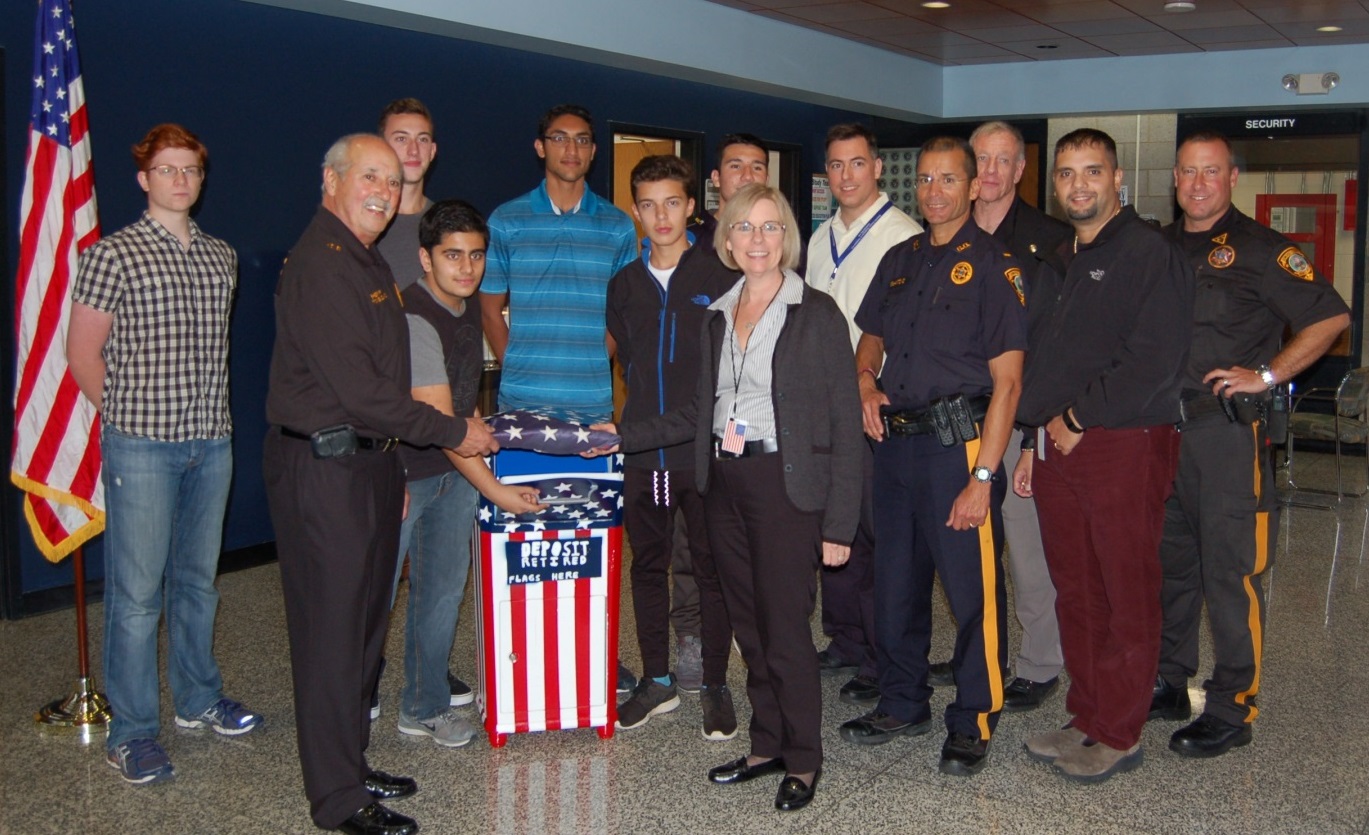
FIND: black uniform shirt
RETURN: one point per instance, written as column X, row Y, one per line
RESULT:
column 943, row 313
column 342, row 344
column 1250, row 282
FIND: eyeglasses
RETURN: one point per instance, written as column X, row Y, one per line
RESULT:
column 946, row 180
column 768, row 228
column 190, row 172
column 580, row 139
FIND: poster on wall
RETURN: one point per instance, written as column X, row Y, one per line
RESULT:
column 822, row 200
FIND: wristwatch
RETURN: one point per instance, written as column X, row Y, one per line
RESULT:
column 983, row 475
column 1267, row 374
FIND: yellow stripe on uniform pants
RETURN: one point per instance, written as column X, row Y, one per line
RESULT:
column 1261, row 560
column 988, row 583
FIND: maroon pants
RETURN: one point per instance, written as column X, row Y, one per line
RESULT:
column 1102, row 510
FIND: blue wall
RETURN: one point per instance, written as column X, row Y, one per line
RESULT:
column 267, row 90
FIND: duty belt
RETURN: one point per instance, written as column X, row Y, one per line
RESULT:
column 362, row 442
column 952, row 419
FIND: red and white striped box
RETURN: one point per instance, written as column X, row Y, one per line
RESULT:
column 547, row 608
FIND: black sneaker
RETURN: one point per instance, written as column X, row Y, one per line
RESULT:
column 1169, row 702
column 461, row 692
column 962, row 756
column 861, row 690
column 878, row 727
column 626, row 680
column 940, row 674
column 648, row 699
column 720, row 717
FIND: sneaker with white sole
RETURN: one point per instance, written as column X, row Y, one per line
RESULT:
column 225, row 716
column 461, row 691
column 649, row 698
column 446, row 728
column 141, row 761
column 720, row 717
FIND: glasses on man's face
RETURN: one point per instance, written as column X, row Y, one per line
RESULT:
column 768, row 228
column 561, row 139
column 946, row 180
column 190, row 172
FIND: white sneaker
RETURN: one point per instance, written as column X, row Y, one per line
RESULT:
column 446, row 728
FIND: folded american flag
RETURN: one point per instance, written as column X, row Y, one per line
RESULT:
column 519, row 429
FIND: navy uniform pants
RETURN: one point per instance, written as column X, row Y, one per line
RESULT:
column 916, row 482
column 1221, row 526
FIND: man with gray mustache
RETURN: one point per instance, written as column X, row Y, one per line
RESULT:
column 338, row 404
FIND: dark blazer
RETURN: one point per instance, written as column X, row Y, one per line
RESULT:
column 817, row 413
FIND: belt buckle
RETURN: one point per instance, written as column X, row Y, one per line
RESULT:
column 388, row 444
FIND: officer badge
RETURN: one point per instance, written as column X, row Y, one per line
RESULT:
column 1222, row 257
column 1295, row 263
column 961, row 273
column 1220, row 239
column 899, row 282
column 1014, row 276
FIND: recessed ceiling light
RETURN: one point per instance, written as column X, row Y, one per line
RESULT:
column 936, row 4
column 1328, row 29
column 1047, row 46
column 1180, row 6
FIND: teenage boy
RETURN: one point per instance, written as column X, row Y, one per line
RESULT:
column 656, row 307
column 447, row 356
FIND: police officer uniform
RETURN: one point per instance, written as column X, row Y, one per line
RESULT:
column 943, row 313
column 1221, row 523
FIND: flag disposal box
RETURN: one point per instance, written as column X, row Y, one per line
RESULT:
column 547, row 608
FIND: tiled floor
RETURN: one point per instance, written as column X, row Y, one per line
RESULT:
column 1307, row 771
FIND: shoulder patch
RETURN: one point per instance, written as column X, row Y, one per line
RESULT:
column 962, row 273
column 1295, row 263
column 1222, row 257
column 1014, row 277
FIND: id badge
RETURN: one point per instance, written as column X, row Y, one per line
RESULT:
column 734, row 436
column 1041, row 442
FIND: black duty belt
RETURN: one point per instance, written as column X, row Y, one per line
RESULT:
column 750, row 448
column 1195, row 405
column 362, row 442
column 944, row 413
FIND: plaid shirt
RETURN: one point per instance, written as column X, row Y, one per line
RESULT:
column 166, row 357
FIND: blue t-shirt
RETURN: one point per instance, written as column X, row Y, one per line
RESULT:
column 556, row 269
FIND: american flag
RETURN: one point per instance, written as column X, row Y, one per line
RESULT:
column 56, row 431
column 562, row 434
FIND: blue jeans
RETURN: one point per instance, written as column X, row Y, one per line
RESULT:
column 437, row 535
column 164, row 504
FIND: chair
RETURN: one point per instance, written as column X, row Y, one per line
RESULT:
column 1347, row 423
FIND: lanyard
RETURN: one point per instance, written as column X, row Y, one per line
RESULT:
column 832, row 239
column 739, row 368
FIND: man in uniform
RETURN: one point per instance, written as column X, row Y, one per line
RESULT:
column 1222, row 521
column 407, row 127
column 1110, row 328
column 943, row 309
column 338, row 402
column 1029, row 234
column 842, row 256
column 148, row 346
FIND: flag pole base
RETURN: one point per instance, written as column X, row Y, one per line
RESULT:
column 84, row 714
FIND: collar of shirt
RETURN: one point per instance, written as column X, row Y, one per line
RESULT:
column 790, row 292
column 344, row 237
column 541, row 201
column 154, row 227
column 1116, row 222
column 843, row 230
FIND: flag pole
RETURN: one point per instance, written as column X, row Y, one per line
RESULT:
column 85, row 712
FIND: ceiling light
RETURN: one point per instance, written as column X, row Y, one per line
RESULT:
column 1047, row 46
column 1310, row 83
column 1180, row 6
column 1328, row 29
column 936, row 4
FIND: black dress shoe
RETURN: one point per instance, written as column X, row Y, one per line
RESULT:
column 738, row 771
column 877, row 728
column 830, row 664
column 861, row 690
column 963, row 755
column 794, row 794
column 377, row 820
column 1025, row 694
column 940, row 674
column 383, row 786
column 1169, row 702
column 1209, row 736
